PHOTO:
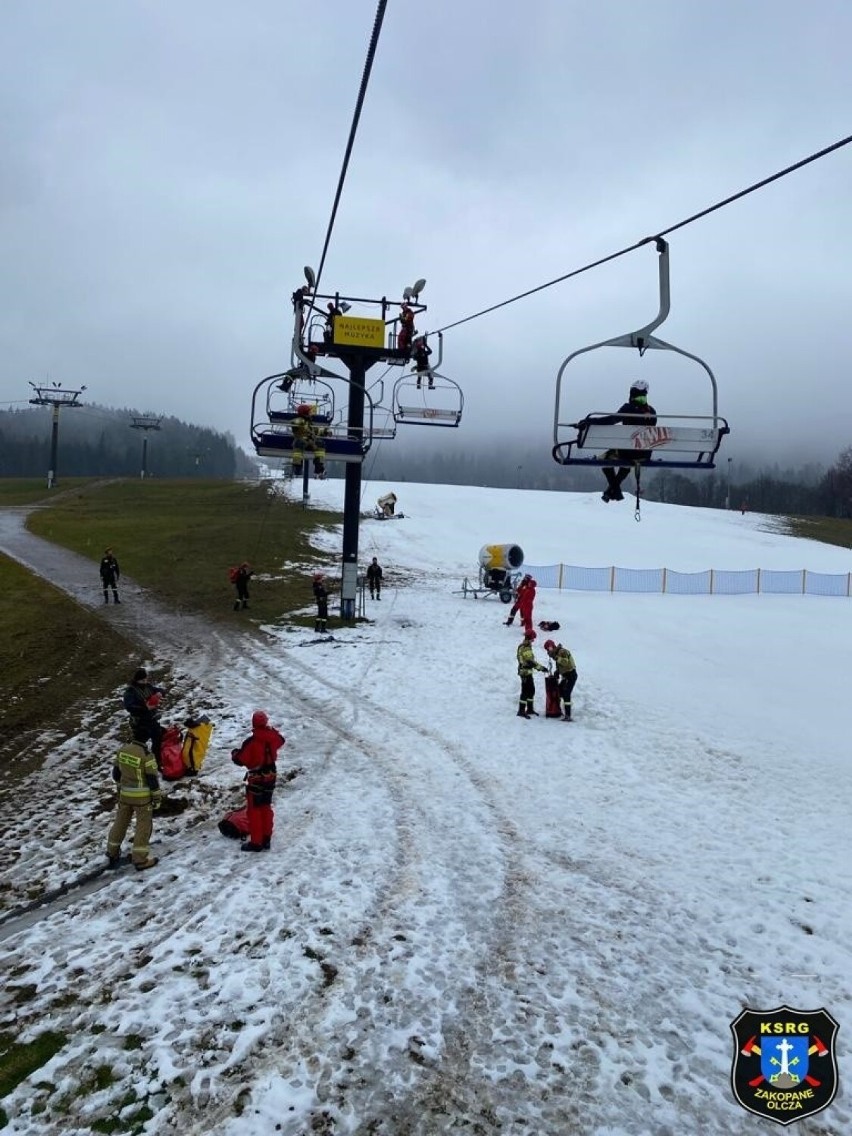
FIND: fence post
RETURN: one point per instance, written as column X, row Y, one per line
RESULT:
column 711, row 581
column 664, row 580
column 559, row 585
column 758, row 581
column 804, row 580
column 848, row 584
column 612, row 579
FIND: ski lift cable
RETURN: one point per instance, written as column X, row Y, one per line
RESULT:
column 662, row 233
column 365, row 78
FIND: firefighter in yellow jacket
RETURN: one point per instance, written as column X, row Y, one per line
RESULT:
column 308, row 435
column 566, row 672
column 527, row 666
column 135, row 774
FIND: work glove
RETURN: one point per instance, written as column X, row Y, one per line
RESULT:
column 156, row 799
column 116, row 775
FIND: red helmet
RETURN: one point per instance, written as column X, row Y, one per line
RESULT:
column 259, row 718
column 549, row 644
column 530, row 634
column 319, row 576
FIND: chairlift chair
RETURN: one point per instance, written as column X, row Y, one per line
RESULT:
column 678, row 441
column 428, row 398
column 272, row 430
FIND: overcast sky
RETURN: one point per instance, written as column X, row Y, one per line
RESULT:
column 168, row 167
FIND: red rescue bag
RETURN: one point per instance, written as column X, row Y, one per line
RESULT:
column 553, row 703
column 171, row 756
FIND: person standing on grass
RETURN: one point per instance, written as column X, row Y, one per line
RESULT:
column 258, row 755
column 110, row 573
column 241, row 581
column 321, row 596
column 135, row 773
column 374, row 579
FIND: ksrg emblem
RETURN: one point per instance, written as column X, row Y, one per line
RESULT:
column 784, row 1064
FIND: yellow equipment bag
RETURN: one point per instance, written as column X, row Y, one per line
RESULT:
column 195, row 743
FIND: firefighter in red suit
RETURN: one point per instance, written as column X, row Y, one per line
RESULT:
column 521, row 588
column 526, row 599
column 258, row 755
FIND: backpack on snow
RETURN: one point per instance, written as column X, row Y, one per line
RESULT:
column 195, row 743
column 235, row 824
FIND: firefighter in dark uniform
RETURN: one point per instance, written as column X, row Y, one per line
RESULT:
column 135, row 774
column 421, row 354
column 321, row 596
column 566, row 671
column 527, row 666
column 141, row 701
column 374, row 579
column 110, row 573
column 241, row 582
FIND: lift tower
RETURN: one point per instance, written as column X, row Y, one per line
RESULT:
column 145, row 424
column 57, row 397
column 358, row 342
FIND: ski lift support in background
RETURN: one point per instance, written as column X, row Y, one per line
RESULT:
column 684, row 441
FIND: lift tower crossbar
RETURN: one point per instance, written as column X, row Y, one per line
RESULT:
column 57, row 397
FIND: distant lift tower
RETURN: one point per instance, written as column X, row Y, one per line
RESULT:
column 55, row 396
column 145, row 424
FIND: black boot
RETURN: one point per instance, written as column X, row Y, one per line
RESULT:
column 567, row 715
column 115, row 598
column 522, row 710
column 236, row 605
column 106, row 597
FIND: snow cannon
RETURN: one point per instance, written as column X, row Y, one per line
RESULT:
column 509, row 557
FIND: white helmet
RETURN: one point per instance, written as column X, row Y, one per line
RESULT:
column 640, row 385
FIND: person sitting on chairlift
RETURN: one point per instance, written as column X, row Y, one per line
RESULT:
column 635, row 412
column 421, row 354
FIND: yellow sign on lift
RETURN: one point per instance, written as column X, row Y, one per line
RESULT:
column 357, row 331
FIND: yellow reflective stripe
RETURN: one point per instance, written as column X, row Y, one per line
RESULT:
column 130, row 759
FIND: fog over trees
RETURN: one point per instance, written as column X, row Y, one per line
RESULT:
column 97, row 441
